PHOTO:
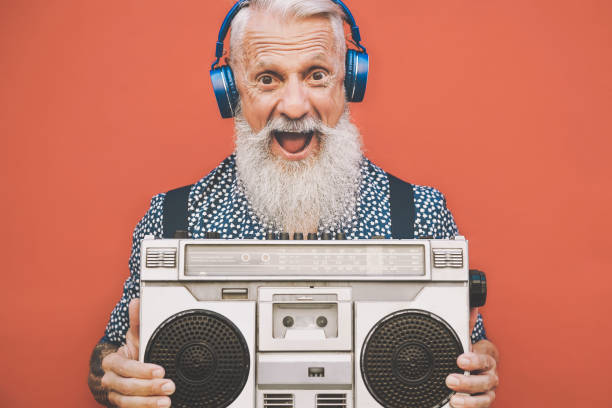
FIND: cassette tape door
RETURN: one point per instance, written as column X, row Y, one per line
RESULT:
column 304, row 357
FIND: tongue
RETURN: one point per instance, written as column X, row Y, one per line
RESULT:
column 292, row 142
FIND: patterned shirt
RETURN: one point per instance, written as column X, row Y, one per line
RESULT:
column 217, row 203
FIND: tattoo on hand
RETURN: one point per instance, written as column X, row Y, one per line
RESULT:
column 96, row 372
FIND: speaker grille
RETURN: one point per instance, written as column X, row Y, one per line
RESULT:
column 406, row 358
column 448, row 257
column 161, row 258
column 331, row 401
column 204, row 354
column 278, row 401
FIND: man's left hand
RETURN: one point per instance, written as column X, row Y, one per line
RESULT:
column 477, row 389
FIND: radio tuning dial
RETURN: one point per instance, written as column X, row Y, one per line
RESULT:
column 284, row 236
column 312, row 236
column 326, row 236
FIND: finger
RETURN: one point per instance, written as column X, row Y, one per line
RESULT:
column 476, row 362
column 134, row 309
column 136, row 386
column 124, row 401
column 132, row 337
column 126, row 352
column 486, row 347
column 131, row 345
column 473, row 401
column 473, row 318
column 125, row 367
column 134, row 312
column 472, row 384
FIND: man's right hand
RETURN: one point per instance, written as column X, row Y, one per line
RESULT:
column 129, row 382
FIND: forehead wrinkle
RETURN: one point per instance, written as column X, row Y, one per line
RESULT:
column 279, row 46
column 283, row 39
column 268, row 61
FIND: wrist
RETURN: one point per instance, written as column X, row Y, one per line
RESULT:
column 99, row 392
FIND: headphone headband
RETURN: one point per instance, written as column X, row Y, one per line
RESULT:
column 239, row 5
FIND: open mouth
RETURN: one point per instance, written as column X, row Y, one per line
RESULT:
column 293, row 142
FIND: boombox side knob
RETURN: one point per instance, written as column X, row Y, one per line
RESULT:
column 478, row 288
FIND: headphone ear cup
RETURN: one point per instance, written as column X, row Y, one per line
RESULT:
column 356, row 77
column 226, row 93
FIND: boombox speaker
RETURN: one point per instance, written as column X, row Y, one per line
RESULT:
column 307, row 324
column 406, row 358
column 206, row 356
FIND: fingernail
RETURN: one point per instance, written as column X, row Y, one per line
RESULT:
column 463, row 361
column 163, row 403
column 452, row 381
column 458, row 402
column 159, row 373
column 168, row 387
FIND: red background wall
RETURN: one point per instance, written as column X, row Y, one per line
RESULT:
column 503, row 105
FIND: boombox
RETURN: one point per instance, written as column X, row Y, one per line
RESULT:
column 307, row 324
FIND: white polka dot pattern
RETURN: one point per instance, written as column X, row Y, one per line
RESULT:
column 151, row 223
column 217, row 203
column 478, row 333
column 433, row 219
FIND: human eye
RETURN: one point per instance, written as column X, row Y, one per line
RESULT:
column 318, row 77
column 267, row 81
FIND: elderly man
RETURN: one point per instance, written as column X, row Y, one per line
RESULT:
column 298, row 167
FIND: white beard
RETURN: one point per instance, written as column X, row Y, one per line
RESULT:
column 300, row 196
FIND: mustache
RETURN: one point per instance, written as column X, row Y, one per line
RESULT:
column 307, row 124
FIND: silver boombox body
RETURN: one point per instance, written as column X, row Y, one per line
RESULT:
column 305, row 324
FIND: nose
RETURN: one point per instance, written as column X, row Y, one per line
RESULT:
column 294, row 102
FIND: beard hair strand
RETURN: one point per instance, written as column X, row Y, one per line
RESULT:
column 300, row 196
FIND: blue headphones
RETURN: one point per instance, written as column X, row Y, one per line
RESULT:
column 357, row 65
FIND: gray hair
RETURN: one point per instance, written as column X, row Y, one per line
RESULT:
column 298, row 196
column 287, row 9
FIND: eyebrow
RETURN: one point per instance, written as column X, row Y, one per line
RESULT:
column 320, row 56
column 264, row 63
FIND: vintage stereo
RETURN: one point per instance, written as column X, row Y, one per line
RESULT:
column 307, row 324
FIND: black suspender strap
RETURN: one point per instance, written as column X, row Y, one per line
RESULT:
column 401, row 198
column 403, row 210
column 175, row 211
